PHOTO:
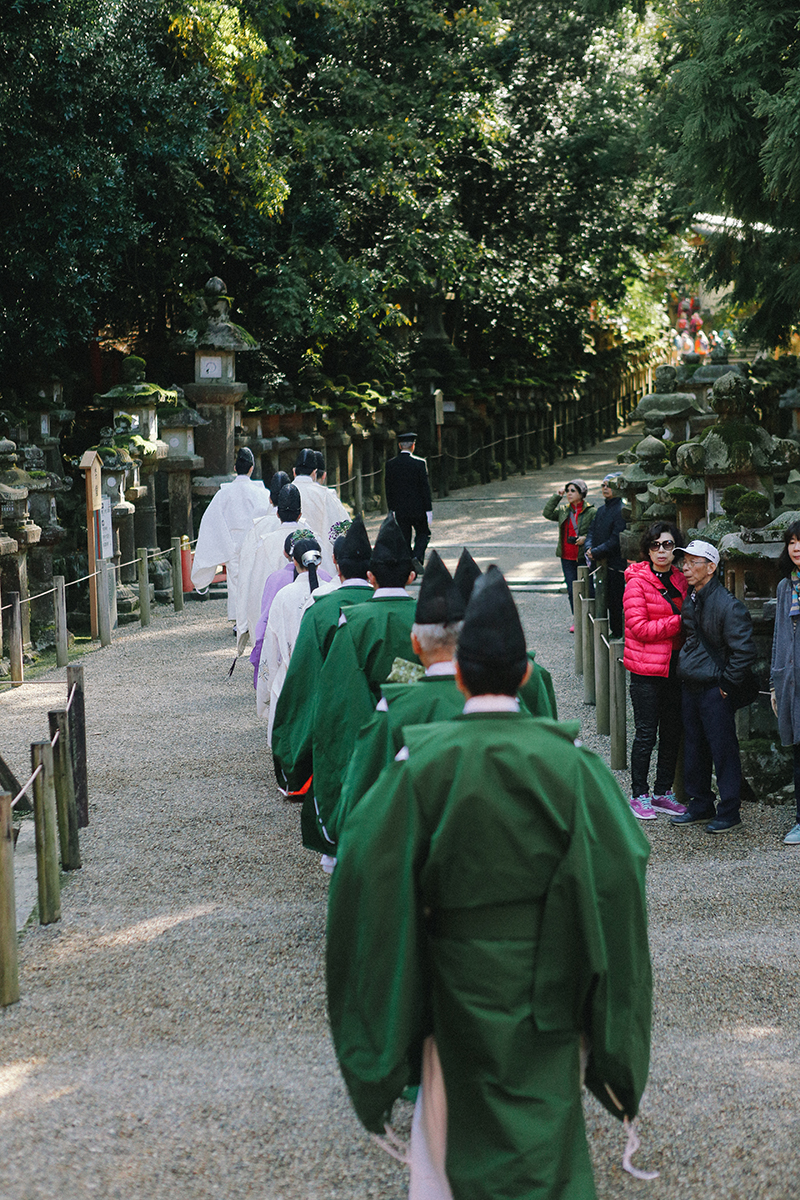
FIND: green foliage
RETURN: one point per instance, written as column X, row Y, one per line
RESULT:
column 355, row 170
column 731, row 119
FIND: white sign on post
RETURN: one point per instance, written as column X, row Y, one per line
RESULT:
column 106, row 529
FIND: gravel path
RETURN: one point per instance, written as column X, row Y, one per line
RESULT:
column 171, row 1041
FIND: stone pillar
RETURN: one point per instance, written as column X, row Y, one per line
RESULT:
column 216, row 403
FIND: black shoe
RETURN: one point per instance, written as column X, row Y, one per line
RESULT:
column 723, row 824
column 417, row 566
column 690, row 818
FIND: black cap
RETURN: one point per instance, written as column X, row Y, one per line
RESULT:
column 289, row 503
column 244, row 460
column 353, row 547
column 406, row 437
column 440, row 602
column 492, row 631
column 391, row 548
column 306, row 462
column 467, row 572
column 279, row 481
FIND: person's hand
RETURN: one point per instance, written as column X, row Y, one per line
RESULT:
column 589, row 555
column 773, row 699
column 579, row 541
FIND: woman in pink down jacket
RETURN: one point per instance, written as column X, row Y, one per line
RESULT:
column 654, row 593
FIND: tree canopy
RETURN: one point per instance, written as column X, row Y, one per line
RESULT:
column 731, row 122
column 351, row 168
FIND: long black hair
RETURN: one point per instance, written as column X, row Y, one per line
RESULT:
column 785, row 564
column 306, row 553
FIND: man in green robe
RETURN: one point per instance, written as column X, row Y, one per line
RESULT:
column 437, row 622
column 438, row 699
column 486, row 923
column 369, row 638
column 292, row 731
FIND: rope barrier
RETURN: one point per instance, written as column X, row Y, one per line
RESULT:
column 95, row 574
column 25, row 786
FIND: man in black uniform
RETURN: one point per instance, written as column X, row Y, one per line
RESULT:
column 408, row 496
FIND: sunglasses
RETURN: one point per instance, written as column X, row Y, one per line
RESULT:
column 662, row 545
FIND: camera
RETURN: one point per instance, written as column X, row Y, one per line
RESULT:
column 571, row 540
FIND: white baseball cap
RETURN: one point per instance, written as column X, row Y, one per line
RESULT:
column 703, row 550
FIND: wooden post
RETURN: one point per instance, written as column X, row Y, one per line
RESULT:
column 9, row 966
column 618, row 706
column 77, row 733
column 602, row 712
column 15, row 640
column 177, row 575
column 62, row 654
column 144, row 586
column 103, row 602
column 579, row 589
column 65, row 791
column 587, row 630
column 46, row 828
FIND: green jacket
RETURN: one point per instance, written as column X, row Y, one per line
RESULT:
column 557, row 510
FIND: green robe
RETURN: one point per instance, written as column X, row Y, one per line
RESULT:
column 434, row 698
column 491, row 890
column 293, row 728
column 358, row 662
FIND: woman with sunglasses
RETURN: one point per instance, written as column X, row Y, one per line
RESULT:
column 654, row 593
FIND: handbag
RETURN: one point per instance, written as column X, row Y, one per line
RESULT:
column 741, row 694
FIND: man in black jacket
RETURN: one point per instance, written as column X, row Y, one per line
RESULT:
column 715, row 659
column 602, row 545
column 408, row 496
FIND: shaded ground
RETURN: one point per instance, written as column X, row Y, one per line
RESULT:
column 171, row 1041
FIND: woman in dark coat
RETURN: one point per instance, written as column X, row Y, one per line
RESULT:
column 785, row 672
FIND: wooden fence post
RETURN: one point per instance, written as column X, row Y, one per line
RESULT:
column 618, row 706
column 15, row 639
column 144, row 586
column 602, row 713
column 62, row 634
column 9, row 965
column 579, row 590
column 587, row 632
column 65, row 791
column 77, row 733
column 46, row 828
column 177, row 575
column 103, row 603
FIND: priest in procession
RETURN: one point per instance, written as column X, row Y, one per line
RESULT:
column 225, row 525
column 369, row 639
column 435, row 696
column 322, row 508
column 262, row 553
column 293, row 725
column 487, row 937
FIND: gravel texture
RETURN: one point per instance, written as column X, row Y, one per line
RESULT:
column 171, row 1040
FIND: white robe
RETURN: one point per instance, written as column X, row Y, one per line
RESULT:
column 261, row 554
column 223, row 528
column 280, row 636
column 321, row 509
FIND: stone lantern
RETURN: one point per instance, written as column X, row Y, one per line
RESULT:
column 178, row 426
column 20, row 531
column 215, row 391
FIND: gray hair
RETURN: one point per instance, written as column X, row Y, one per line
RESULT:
column 438, row 637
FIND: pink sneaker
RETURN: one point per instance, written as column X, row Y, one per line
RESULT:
column 572, row 628
column 642, row 808
column 668, row 804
